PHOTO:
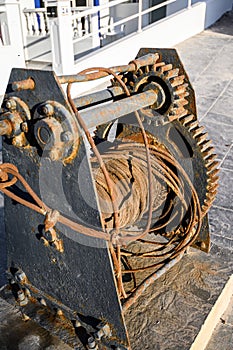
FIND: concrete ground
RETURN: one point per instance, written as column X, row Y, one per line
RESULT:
column 208, row 59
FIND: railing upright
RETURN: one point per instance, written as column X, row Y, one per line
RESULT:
column 139, row 16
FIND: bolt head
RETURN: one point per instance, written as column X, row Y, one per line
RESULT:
column 47, row 109
column 20, row 276
column 10, row 104
column 66, row 136
column 24, row 127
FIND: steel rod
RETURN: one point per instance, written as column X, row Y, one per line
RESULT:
column 148, row 281
column 102, row 96
column 134, row 65
column 104, row 114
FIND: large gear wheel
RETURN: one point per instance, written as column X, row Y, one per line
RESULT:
column 178, row 128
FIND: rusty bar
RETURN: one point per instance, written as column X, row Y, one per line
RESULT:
column 134, row 65
column 104, row 114
column 99, row 96
column 5, row 127
column 148, row 281
column 27, row 84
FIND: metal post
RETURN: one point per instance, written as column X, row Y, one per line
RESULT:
column 139, row 16
column 62, row 39
column 189, row 4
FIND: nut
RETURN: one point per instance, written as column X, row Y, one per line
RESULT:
column 91, row 344
column 10, row 104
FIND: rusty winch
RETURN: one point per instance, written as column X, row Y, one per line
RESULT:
column 103, row 193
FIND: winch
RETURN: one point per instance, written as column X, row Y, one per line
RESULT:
column 103, row 192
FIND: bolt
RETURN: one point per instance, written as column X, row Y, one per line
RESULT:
column 203, row 245
column 91, row 344
column 10, row 104
column 47, row 109
column 20, row 276
column 22, row 299
column 24, row 127
column 77, row 324
column 66, row 136
column 25, row 317
column 42, row 302
column 104, row 331
column 27, row 293
column 59, row 313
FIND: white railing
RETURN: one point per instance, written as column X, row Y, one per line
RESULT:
column 36, row 22
column 4, row 30
column 81, row 24
column 83, row 19
column 88, row 28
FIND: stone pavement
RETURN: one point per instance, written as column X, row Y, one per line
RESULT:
column 180, row 305
column 212, row 52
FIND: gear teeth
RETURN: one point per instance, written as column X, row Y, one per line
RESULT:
column 165, row 68
column 181, row 96
column 199, row 130
column 213, row 178
column 206, row 144
column 212, row 188
column 214, row 174
column 180, row 89
column 172, row 73
column 202, row 139
column 212, row 167
column 187, row 119
column 157, row 65
column 192, row 125
column 177, row 81
column 181, row 102
column 205, row 208
column 210, row 159
column 181, row 111
column 211, row 195
column 208, row 152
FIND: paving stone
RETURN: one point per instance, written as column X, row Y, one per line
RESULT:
column 201, row 51
column 222, row 338
column 203, row 106
column 221, row 226
column 223, row 103
column 224, row 195
column 181, row 301
column 219, row 132
column 228, row 161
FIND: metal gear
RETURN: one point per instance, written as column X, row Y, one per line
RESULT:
column 172, row 107
column 169, row 85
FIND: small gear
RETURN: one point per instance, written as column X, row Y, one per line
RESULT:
column 167, row 82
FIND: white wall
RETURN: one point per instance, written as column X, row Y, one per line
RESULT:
column 156, row 35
